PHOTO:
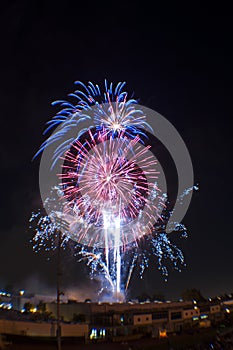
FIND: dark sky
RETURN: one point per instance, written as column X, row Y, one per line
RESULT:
column 176, row 61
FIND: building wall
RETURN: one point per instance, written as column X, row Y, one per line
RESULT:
column 215, row 309
column 42, row 329
column 142, row 319
column 74, row 330
column 25, row 328
column 190, row 313
column 67, row 310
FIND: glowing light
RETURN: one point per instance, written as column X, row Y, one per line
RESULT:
column 162, row 333
column 118, row 222
column 116, row 126
column 203, row 317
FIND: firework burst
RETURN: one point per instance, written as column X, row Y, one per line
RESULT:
column 110, row 199
column 111, row 179
column 109, row 109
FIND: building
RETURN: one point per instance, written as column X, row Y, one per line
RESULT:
column 106, row 320
column 109, row 320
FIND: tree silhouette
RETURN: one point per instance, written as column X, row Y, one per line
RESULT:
column 143, row 297
column 41, row 307
column 158, row 296
column 28, row 307
column 192, row 294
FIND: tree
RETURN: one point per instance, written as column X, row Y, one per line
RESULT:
column 28, row 307
column 41, row 307
column 158, row 296
column 143, row 297
column 192, row 294
column 9, row 288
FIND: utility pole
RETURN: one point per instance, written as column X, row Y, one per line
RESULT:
column 58, row 291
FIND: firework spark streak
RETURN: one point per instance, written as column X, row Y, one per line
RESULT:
column 109, row 200
column 112, row 111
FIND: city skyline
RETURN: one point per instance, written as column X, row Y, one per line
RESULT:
column 180, row 69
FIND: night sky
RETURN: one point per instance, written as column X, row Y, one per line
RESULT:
column 177, row 62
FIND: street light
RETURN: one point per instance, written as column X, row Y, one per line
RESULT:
column 60, row 224
column 58, row 291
